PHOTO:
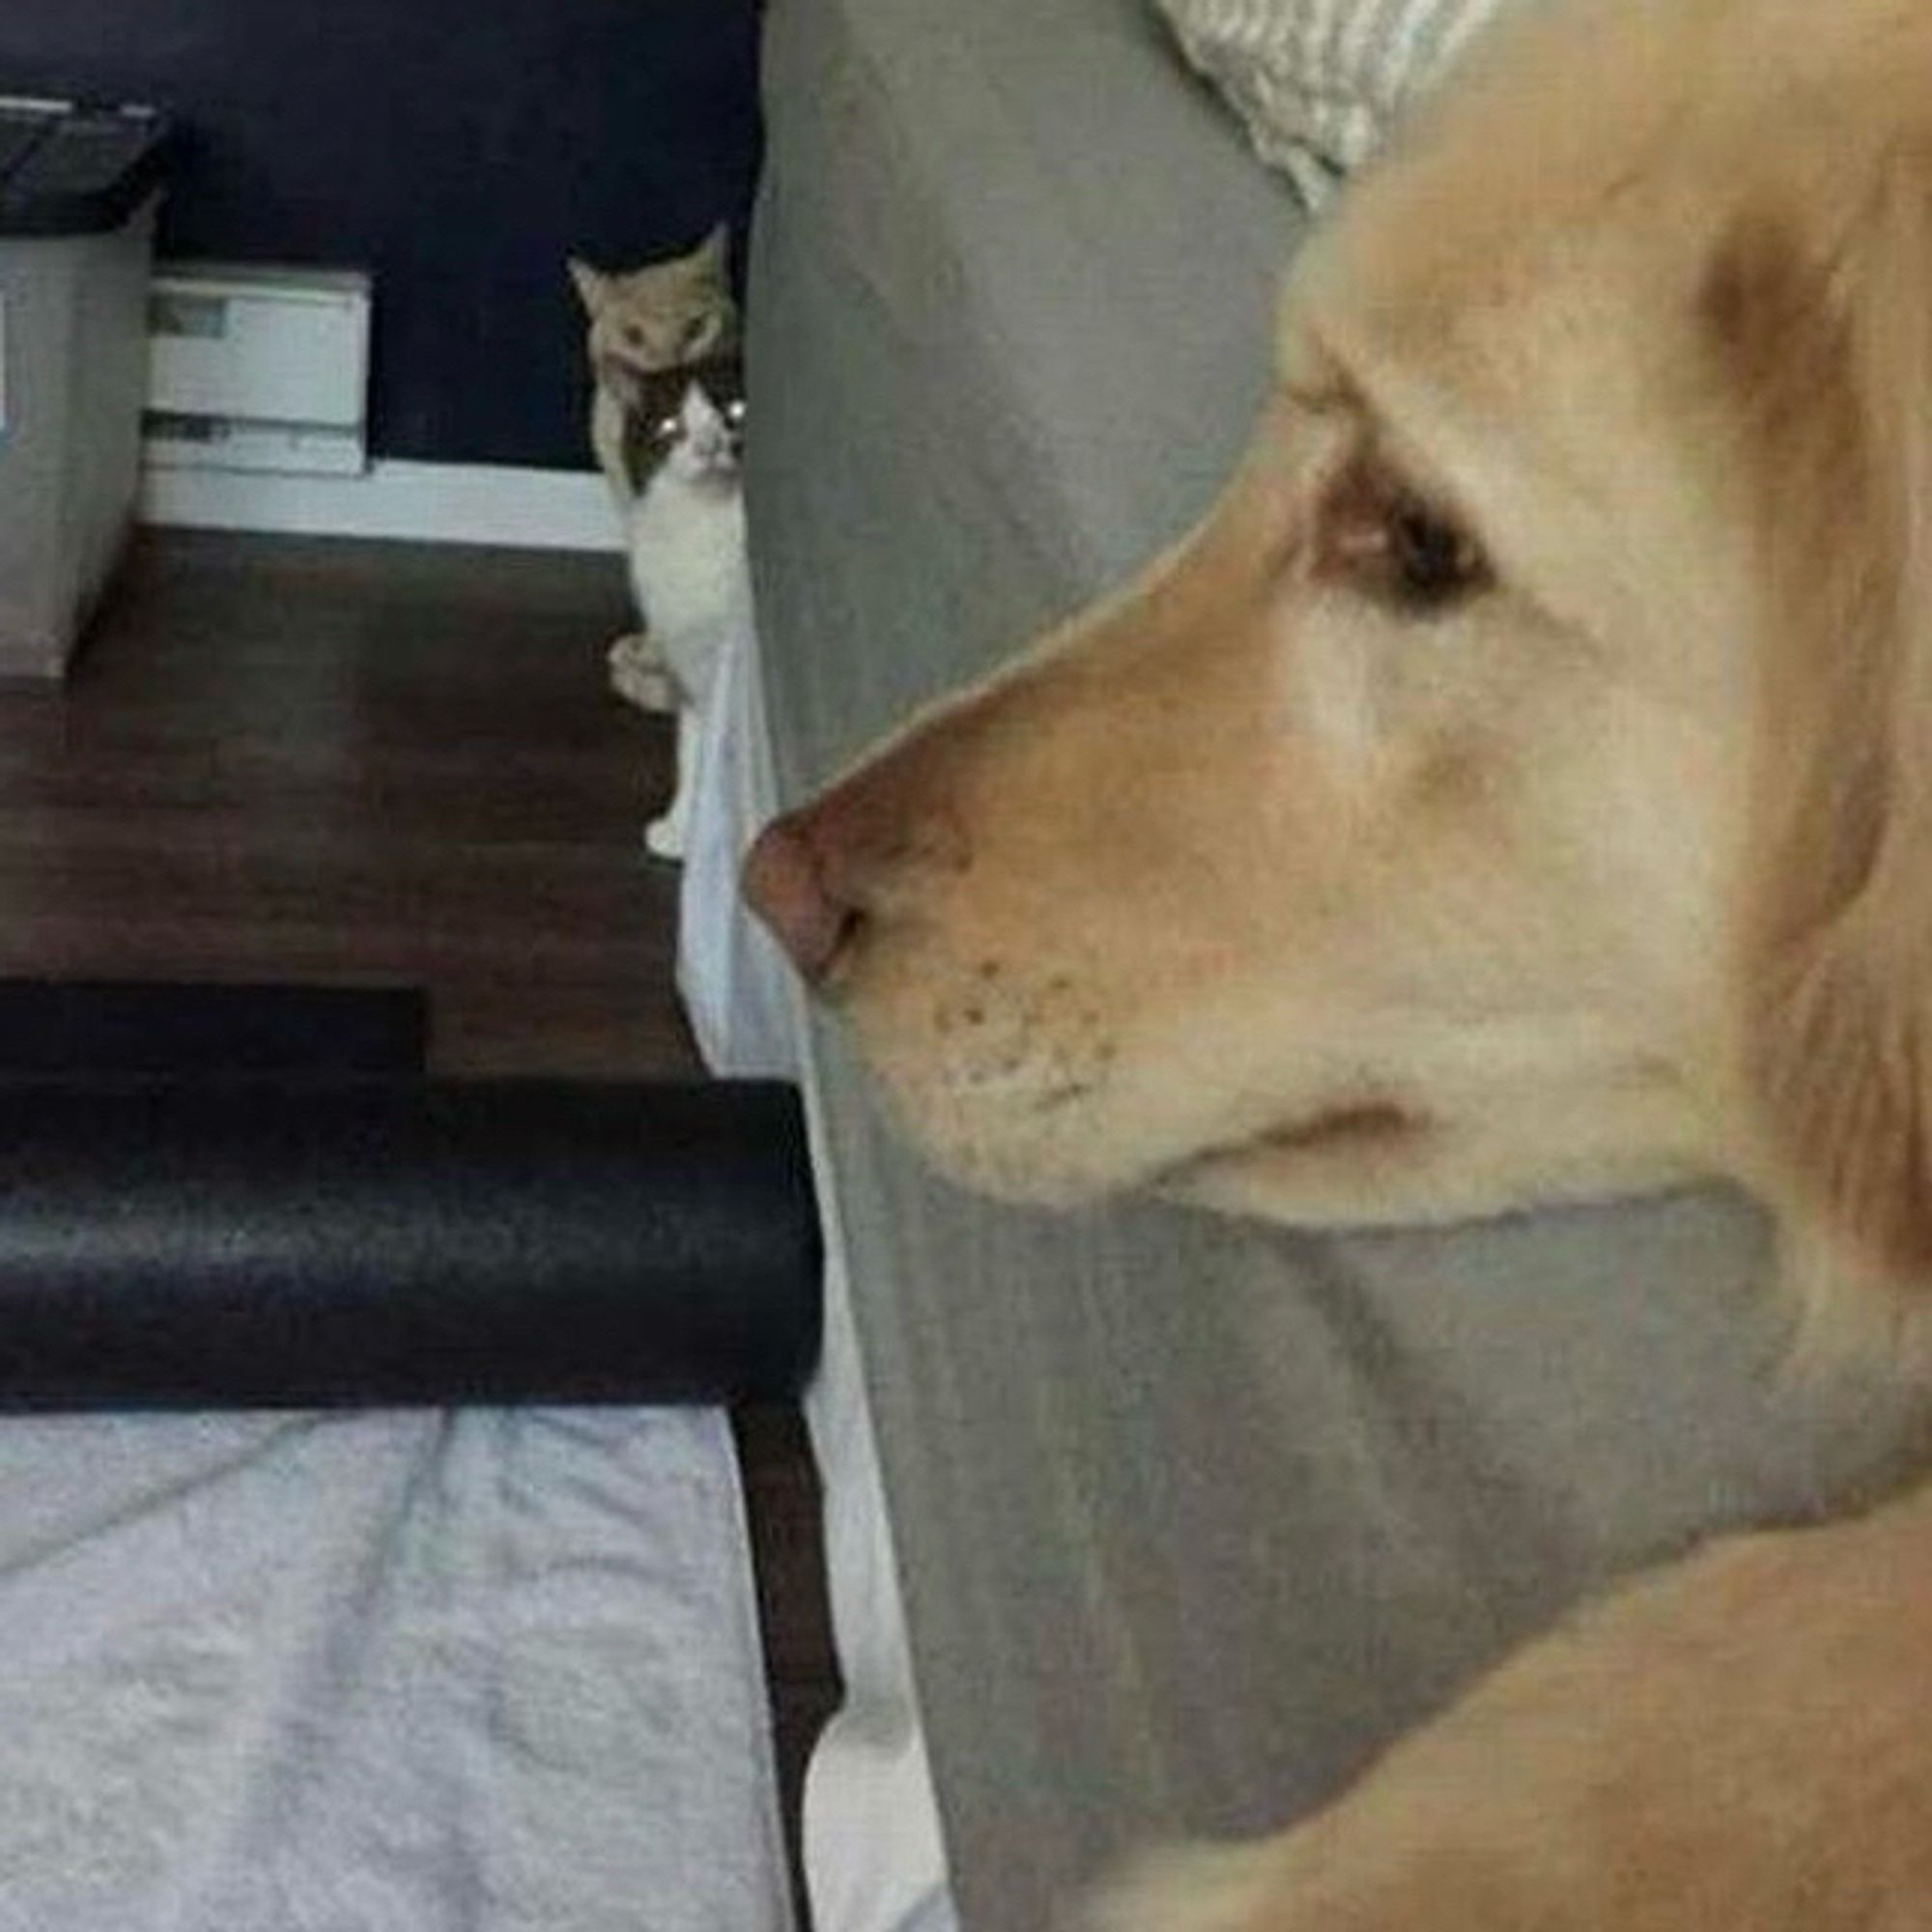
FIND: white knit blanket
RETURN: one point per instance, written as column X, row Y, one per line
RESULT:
column 1316, row 82
column 486, row 1672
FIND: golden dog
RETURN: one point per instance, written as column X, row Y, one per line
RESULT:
column 1518, row 790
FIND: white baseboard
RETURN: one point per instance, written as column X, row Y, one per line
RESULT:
column 427, row 503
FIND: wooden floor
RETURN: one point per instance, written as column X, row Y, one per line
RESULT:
column 349, row 763
column 354, row 762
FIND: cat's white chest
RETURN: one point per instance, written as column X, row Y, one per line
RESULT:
column 687, row 562
column 687, row 542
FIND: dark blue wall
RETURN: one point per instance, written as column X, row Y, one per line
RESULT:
column 459, row 150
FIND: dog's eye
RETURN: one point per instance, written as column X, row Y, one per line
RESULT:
column 1431, row 562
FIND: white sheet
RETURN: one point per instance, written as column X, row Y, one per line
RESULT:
column 874, row 1852
column 486, row 1672
column 736, row 988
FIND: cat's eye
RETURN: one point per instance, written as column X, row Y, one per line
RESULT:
column 1431, row 562
column 697, row 334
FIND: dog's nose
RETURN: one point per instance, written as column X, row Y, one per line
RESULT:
column 785, row 884
column 876, row 846
column 872, row 845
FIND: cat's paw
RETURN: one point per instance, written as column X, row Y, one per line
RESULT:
column 664, row 839
column 1189, row 1889
column 636, row 651
column 639, row 674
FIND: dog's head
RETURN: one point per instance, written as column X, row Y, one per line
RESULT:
column 1518, row 788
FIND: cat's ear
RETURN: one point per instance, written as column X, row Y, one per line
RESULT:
column 593, row 288
column 714, row 254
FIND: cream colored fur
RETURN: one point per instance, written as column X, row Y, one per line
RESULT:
column 1276, row 885
column 1420, row 913
column 1743, row 1744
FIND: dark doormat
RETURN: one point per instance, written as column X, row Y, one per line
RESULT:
column 110, row 1027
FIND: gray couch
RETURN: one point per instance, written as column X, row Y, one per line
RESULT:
column 1192, row 1515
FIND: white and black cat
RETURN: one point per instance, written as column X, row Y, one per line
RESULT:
column 687, row 550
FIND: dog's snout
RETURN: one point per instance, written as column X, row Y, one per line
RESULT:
column 785, row 884
column 875, row 843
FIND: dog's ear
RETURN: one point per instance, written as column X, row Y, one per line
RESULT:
column 1823, row 310
column 593, row 287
